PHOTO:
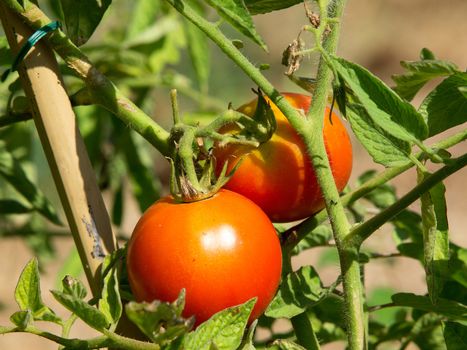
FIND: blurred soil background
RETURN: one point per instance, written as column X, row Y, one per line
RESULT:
column 377, row 34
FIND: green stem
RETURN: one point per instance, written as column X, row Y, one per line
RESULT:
column 109, row 339
column 101, row 90
column 348, row 255
column 294, row 235
column 363, row 231
column 175, row 111
column 304, row 332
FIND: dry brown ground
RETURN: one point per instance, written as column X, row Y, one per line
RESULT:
column 376, row 34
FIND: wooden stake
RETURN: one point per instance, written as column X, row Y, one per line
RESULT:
column 64, row 148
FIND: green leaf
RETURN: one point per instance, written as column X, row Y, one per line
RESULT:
column 110, row 303
column 248, row 339
column 387, row 110
column 89, row 314
column 166, row 50
column 458, row 266
column 408, row 225
column 419, row 73
column 28, row 294
column 21, row 319
column 444, row 307
column 384, row 148
column 143, row 15
column 198, row 48
column 427, row 332
column 455, row 335
column 381, row 197
column 446, row 106
column 13, row 172
column 11, row 206
column 283, row 344
column 300, row 290
column 265, row 6
column 320, row 236
column 385, row 316
column 5, row 53
column 82, row 17
column 236, row 13
column 160, row 322
column 435, row 237
column 74, row 287
column 223, row 331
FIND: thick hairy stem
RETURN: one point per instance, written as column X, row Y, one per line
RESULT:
column 348, row 255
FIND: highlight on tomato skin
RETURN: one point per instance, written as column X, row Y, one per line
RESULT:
column 278, row 175
column 222, row 250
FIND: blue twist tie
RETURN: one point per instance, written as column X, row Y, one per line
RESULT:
column 33, row 39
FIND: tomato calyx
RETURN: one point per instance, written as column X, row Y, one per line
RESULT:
column 192, row 164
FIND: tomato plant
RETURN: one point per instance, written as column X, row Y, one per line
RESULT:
column 222, row 250
column 279, row 175
column 103, row 128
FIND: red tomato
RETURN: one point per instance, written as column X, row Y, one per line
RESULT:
column 278, row 175
column 223, row 250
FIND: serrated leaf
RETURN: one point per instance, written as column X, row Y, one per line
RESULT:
column 236, row 13
column 161, row 322
column 223, row 331
column 444, row 307
column 110, row 303
column 419, row 73
column 74, row 287
column 388, row 111
column 455, row 335
column 11, row 206
column 89, row 314
column 300, row 290
column 380, row 145
column 28, row 294
column 435, row 237
column 446, row 106
column 82, row 17
column 265, row 6
column 12, row 171
column 21, row 319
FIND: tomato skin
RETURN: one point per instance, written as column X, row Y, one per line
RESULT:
column 278, row 175
column 223, row 250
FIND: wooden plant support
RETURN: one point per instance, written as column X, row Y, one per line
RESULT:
column 65, row 150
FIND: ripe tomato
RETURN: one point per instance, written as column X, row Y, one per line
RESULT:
column 278, row 175
column 223, row 250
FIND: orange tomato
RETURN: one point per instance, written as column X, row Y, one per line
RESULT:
column 278, row 175
column 222, row 250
